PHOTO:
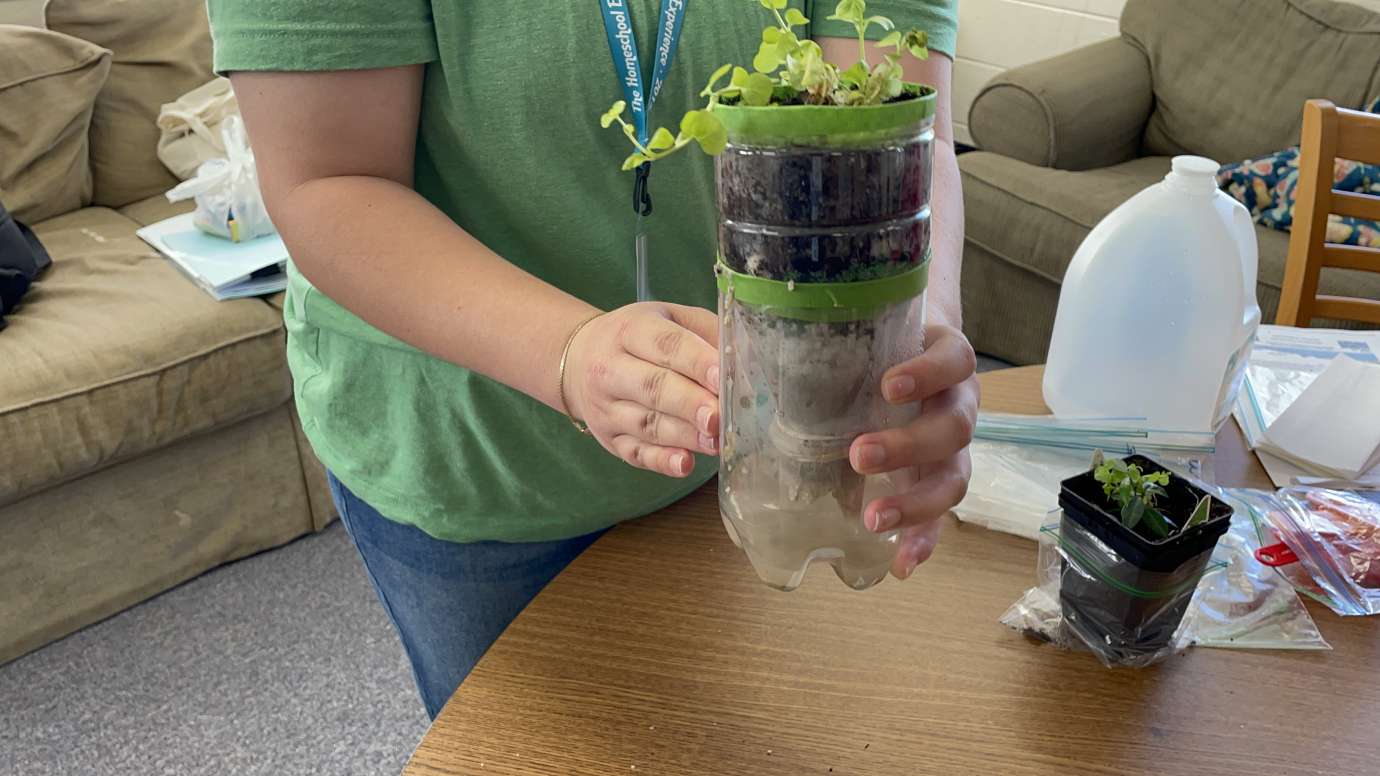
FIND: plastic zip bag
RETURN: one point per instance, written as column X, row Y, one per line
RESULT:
column 1018, row 462
column 1331, row 544
column 228, row 201
column 1237, row 603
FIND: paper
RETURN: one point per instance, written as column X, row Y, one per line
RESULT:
column 222, row 268
column 1333, row 428
column 1284, row 361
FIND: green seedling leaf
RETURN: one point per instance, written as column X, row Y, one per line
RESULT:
column 849, row 11
column 714, row 80
column 1200, row 513
column 634, row 161
column 661, row 140
column 767, row 59
column 917, row 43
column 855, row 76
column 795, row 18
column 611, row 115
column 1132, row 513
column 880, row 21
column 1157, row 523
column 892, row 38
column 773, row 5
column 715, row 140
column 771, row 35
column 757, row 90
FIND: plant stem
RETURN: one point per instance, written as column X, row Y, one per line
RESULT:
column 862, row 46
column 633, row 136
column 781, row 20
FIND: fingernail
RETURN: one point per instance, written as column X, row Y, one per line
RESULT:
column 713, row 377
column 678, row 463
column 702, row 418
column 885, row 519
column 708, row 443
column 869, row 457
column 899, row 388
column 910, row 567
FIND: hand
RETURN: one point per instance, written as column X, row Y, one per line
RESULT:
column 645, row 379
column 931, row 452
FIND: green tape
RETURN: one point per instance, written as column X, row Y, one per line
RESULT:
column 824, row 302
column 828, row 125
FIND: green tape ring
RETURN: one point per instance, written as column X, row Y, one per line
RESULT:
column 829, row 125
column 824, row 302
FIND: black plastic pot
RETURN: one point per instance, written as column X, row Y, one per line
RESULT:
column 1124, row 595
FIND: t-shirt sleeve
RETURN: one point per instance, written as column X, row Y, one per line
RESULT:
column 317, row 35
column 938, row 18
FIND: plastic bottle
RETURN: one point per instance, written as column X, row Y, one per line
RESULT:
column 1158, row 308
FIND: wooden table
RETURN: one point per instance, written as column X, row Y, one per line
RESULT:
column 659, row 652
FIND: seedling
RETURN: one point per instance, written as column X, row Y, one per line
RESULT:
column 1136, row 492
column 787, row 70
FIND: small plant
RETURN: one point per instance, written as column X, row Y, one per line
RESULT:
column 788, row 70
column 1136, row 492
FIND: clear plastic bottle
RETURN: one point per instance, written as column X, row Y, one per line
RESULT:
column 1158, row 308
column 823, row 258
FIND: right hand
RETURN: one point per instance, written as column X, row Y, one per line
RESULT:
column 645, row 379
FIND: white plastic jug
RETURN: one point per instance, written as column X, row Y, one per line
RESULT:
column 1158, row 308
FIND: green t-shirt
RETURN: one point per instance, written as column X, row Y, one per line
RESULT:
column 510, row 148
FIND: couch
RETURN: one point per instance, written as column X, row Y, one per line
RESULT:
column 1065, row 140
column 147, row 432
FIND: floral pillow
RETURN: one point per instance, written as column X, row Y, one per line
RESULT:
column 1266, row 187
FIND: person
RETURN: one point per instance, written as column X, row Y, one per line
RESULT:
column 460, row 231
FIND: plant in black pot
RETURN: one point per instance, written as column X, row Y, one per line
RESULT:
column 823, row 188
column 1136, row 539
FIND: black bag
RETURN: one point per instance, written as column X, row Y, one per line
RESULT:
column 22, row 260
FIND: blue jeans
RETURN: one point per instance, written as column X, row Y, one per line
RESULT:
column 448, row 601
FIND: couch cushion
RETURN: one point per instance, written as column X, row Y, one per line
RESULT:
column 44, row 169
column 155, row 209
column 1036, row 217
column 29, row 13
column 115, row 353
column 162, row 50
column 1231, row 76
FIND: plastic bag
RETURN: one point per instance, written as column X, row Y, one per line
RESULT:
column 1237, row 603
column 1333, row 543
column 1018, row 462
column 228, row 202
column 190, row 127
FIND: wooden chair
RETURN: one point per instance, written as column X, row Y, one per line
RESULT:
column 1329, row 133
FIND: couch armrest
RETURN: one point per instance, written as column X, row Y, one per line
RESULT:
column 1077, row 111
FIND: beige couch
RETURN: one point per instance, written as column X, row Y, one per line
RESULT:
column 1066, row 140
column 146, row 431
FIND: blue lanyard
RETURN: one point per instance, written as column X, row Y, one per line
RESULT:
column 623, row 47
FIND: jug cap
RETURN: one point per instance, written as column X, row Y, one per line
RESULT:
column 1194, row 173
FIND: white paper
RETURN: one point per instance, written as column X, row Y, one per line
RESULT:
column 1284, row 362
column 220, row 267
column 1333, row 428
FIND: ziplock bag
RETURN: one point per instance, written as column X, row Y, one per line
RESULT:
column 1018, row 462
column 228, row 202
column 1327, row 542
column 1237, row 603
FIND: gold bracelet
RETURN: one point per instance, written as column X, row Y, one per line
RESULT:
column 560, row 385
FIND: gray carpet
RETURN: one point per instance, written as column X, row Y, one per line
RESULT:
column 277, row 665
column 280, row 664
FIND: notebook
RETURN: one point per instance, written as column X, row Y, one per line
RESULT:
column 221, row 268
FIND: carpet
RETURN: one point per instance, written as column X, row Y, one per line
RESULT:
column 283, row 663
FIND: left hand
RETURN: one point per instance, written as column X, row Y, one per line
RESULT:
column 932, row 451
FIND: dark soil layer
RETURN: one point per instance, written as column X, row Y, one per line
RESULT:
column 791, row 187
column 835, row 255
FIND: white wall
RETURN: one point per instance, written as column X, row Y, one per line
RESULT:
column 994, row 35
